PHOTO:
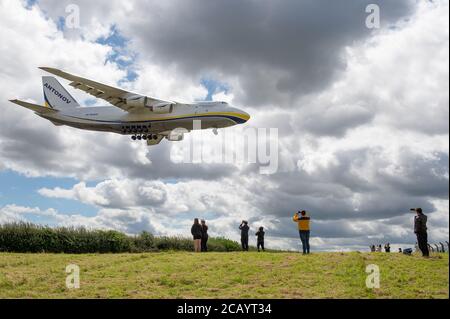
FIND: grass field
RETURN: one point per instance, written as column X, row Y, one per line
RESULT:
column 223, row 275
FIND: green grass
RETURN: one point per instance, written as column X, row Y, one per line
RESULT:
column 223, row 275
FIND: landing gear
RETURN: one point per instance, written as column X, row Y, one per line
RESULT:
column 144, row 137
column 140, row 132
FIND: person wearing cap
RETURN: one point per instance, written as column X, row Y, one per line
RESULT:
column 302, row 220
column 204, row 240
column 420, row 229
column 244, row 234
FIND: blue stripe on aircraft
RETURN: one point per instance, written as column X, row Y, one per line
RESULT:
column 46, row 100
column 235, row 119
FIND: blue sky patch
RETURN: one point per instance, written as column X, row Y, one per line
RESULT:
column 23, row 191
column 30, row 3
column 120, row 55
column 213, row 87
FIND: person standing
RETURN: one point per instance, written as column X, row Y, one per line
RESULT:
column 420, row 229
column 260, row 238
column 387, row 248
column 244, row 234
column 204, row 240
column 196, row 231
column 302, row 220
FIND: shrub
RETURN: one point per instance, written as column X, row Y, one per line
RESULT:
column 26, row 237
column 223, row 244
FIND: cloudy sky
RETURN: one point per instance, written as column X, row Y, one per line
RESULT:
column 362, row 116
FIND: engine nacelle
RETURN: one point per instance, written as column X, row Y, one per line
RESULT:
column 137, row 101
column 161, row 108
column 142, row 101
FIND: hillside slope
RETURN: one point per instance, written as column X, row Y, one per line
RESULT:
column 223, row 275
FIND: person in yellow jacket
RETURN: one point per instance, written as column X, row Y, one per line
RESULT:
column 302, row 219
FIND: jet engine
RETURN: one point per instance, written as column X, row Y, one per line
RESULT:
column 161, row 108
column 142, row 101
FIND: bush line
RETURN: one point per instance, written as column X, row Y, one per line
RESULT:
column 31, row 238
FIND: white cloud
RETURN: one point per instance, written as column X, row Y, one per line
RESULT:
column 377, row 136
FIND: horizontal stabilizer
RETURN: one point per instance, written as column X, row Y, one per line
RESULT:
column 34, row 107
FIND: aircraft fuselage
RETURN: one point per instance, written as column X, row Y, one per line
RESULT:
column 113, row 119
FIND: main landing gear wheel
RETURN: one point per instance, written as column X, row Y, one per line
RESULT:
column 144, row 137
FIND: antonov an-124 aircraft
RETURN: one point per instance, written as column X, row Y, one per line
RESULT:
column 141, row 116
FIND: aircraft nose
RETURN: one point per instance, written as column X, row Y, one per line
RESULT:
column 245, row 116
column 241, row 115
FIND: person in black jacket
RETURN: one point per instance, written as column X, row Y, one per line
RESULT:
column 244, row 235
column 420, row 229
column 260, row 240
column 204, row 247
column 196, row 231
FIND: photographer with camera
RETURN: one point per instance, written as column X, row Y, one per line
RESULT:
column 244, row 234
column 420, row 229
column 303, row 228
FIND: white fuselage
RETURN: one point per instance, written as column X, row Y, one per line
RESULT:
column 113, row 119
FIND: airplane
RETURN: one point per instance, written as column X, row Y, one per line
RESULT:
column 141, row 116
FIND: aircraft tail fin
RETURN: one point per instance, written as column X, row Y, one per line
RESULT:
column 40, row 109
column 56, row 97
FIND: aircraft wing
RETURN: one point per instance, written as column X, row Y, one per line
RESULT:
column 113, row 95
